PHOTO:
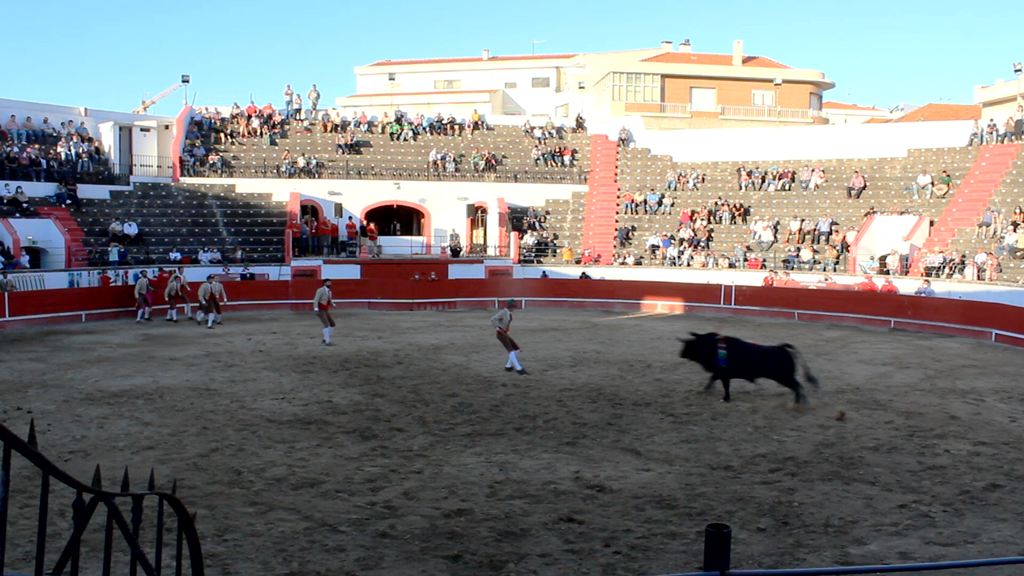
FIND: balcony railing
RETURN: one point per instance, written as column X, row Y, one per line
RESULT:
column 667, row 108
column 725, row 112
column 769, row 113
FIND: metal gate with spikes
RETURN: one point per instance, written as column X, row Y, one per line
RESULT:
column 87, row 501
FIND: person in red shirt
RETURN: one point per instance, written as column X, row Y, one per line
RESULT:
column 352, row 234
column 251, row 109
column 868, row 285
column 371, row 239
column 769, row 280
column 888, row 287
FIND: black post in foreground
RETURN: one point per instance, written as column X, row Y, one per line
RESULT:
column 717, row 547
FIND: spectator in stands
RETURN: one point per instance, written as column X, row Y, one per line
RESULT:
column 818, row 178
column 831, row 263
column 793, row 229
column 1006, row 137
column 976, row 134
column 623, row 137
column 34, row 134
column 1007, row 244
column 945, row 185
column 131, row 230
column 14, row 130
column 174, row 255
column 857, row 185
column 982, row 228
column 991, row 131
column 924, row 182
column 297, row 106
column 216, row 257
column 992, row 267
column 805, row 258
column 82, row 131
column 805, row 177
column 892, row 262
column 314, row 99
column 580, row 126
column 823, row 229
column 1018, row 123
column 764, row 235
column 925, row 289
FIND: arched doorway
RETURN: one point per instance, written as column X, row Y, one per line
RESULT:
column 478, row 230
column 398, row 220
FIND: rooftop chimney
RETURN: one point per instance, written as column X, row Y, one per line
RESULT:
column 684, row 46
column 666, row 44
column 737, row 52
column 487, row 54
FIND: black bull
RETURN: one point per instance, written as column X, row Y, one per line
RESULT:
column 728, row 358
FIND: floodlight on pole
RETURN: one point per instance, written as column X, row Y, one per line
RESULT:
column 1018, row 69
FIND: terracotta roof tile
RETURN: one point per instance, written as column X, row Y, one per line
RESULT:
column 713, row 60
column 938, row 112
column 473, row 59
column 830, row 105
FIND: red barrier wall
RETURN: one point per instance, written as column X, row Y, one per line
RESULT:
column 996, row 322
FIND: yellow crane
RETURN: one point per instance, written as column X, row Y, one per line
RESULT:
column 147, row 103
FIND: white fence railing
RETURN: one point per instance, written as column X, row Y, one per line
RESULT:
column 769, row 113
column 667, row 108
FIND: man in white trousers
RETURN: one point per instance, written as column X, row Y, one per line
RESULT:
column 142, row 289
column 502, row 321
column 322, row 303
column 211, row 296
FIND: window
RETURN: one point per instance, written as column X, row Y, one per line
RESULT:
column 510, row 85
column 542, row 82
column 562, row 111
column 391, row 76
column 762, row 98
column 447, row 84
column 815, row 101
column 628, row 87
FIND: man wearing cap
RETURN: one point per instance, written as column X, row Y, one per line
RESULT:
column 502, row 321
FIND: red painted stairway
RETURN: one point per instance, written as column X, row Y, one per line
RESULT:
column 76, row 254
column 599, row 216
column 971, row 198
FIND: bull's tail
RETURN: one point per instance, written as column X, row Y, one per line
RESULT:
column 811, row 379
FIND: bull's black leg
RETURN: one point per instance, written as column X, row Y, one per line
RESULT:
column 794, row 385
column 725, row 384
column 711, row 382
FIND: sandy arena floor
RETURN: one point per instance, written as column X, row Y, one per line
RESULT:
column 406, row 449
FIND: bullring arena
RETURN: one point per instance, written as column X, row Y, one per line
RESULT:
column 407, row 449
column 621, row 201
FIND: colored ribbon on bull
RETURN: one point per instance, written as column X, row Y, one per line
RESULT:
column 722, row 352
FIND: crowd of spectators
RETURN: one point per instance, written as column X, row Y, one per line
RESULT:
column 544, row 151
column 47, row 153
column 1012, row 130
column 773, row 179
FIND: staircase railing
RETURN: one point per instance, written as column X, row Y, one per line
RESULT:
column 87, row 501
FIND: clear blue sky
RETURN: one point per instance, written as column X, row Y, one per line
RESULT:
column 878, row 53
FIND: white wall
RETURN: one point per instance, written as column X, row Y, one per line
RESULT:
column 792, row 143
column 441, row 199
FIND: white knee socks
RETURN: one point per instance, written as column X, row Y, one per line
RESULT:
column 513, row 361
column 210, row 320
column 327, row 335
column 138, row 317
column 188, row 309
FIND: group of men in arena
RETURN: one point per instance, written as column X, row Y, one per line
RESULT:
column 211, row 295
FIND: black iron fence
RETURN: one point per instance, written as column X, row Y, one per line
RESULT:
column 88, row 500
column 93, row 172
column 346, row 171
